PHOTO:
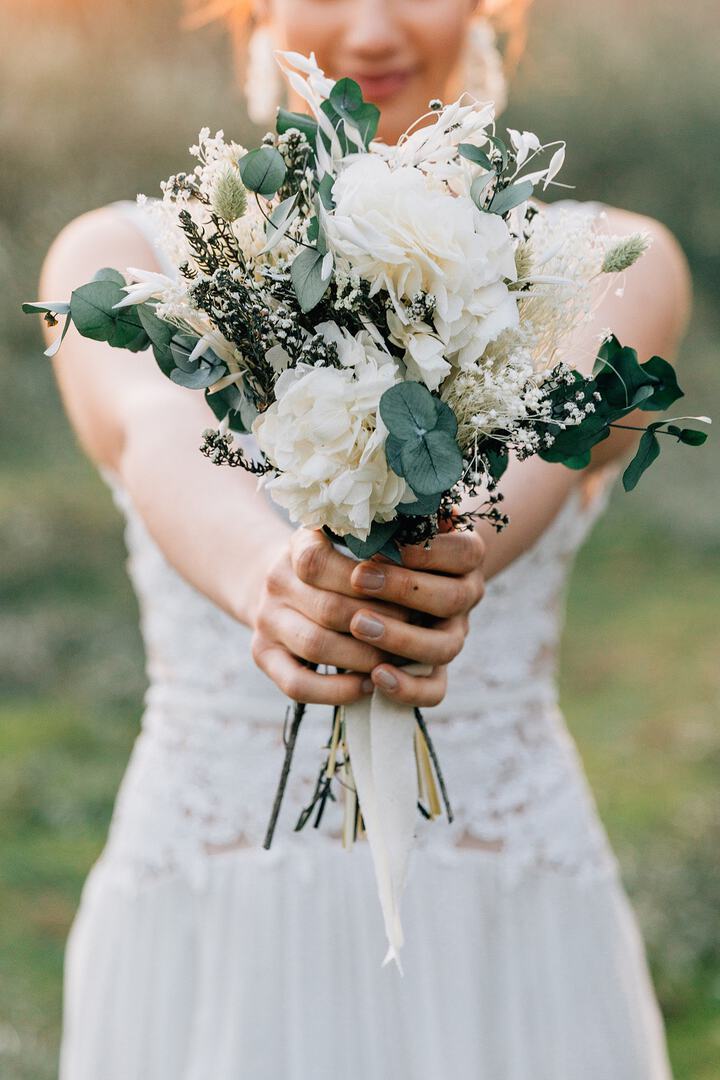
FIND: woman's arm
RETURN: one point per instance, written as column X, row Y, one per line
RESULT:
column 650, row 316
column 212, row 524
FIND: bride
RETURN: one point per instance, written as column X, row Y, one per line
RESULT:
column 195, row 954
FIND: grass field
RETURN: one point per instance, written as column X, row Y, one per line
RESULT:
column 640, row 678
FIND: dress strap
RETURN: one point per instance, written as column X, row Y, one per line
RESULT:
column 142, row 219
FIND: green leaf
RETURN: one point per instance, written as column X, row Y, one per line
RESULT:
column 346, row 97
column 579, row 461
column 53, row 348
column 380, row 533
column 667, row 390
column 647, row 451
column 445, row 419
column 325, row 191
column 366, row 120
column 422, row 507
column 160, row 334
column 497, row 460
column 391, row 551
column 621, row 380
column 408, row 410
column 92, row 309
column 300, row 121
column 506, row 200
column 692, row 437
column 61, row 307
column 500, row 145
column 306, row 274
column 263, row 170
column 393, row 451
column 476, row 155
column 431, row 463
column 478, row 188
column 109, row 274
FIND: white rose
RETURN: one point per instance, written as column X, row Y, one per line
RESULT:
column 405, row 234
column 325, row 436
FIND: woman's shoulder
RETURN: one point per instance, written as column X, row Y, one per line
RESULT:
column 109, row 233
column 660, row 280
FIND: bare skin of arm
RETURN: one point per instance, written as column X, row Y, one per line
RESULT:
column 301, row 598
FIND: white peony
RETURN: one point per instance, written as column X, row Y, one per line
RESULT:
column 404, row 234
column 325, row 436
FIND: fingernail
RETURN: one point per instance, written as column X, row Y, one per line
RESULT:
column 368, row 627
column 369, row 578
column 386, row 680
column 367, row 686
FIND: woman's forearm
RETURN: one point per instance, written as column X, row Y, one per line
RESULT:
column 212, row 523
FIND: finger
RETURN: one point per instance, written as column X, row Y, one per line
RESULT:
column 450, row 553
column 441, row 595
column 438, row 644
column 316, row 562
column 333, row 610
column 422, row 691
column 304, row 638
column 301, row 684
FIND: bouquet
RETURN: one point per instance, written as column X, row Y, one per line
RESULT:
column 389, row 322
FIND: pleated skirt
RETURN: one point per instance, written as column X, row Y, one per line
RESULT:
column 271, row 970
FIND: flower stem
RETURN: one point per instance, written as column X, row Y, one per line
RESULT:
column 438, row 771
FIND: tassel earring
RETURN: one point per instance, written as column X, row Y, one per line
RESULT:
column 482, row 69
column 263, row 80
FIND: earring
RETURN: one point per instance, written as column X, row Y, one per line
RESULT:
column 482, row 65
column 263, row 81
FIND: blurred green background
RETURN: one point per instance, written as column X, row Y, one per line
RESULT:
column 97, row 102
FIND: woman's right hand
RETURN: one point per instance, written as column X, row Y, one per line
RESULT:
column 303, row 610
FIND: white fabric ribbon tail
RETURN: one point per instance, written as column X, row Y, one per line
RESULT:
column 380, row 737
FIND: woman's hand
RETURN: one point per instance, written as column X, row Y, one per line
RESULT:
column 309, row 608
column 444, row 581
column 303, row 611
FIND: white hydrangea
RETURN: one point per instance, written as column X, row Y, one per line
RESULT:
column 325, row 436
column 402, row 233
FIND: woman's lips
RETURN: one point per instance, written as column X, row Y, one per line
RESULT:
column 377, row 88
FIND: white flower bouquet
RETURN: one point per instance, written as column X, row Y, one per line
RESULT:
column 390, row 323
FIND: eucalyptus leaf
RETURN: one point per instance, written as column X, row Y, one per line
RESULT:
column 307, row 279
column 300, row 121
column 346, row 97
column 109, row 274
column 421, row 507
column 445, row 419
column 263, row 170
column 478, row 188
column 476, row 155
column 53, row 348
column 431, row 463
column 667, row 390
column 199, row 379
column 506, row 200
column 647, row 452
column 325, row 188
column 408, row 410
column 393, row 451
column 380, row 533
column 59, row 307
column 692, row 437
column 92, row 308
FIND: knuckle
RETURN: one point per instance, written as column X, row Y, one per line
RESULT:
column 311, row 642
column 275, row 578
column 328, row 610
column 291, row 685
column 310, row 559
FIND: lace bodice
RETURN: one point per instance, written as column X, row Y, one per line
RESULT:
column 204, row 768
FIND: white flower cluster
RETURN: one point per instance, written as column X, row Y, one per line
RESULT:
column 326, row 438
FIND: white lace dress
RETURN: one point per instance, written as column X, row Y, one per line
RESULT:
column 197, row 955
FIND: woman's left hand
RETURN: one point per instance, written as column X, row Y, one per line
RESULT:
column 443, row 582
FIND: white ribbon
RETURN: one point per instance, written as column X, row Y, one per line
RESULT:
column 380, row 736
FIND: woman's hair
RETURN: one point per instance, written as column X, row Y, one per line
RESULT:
column 509, row 17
